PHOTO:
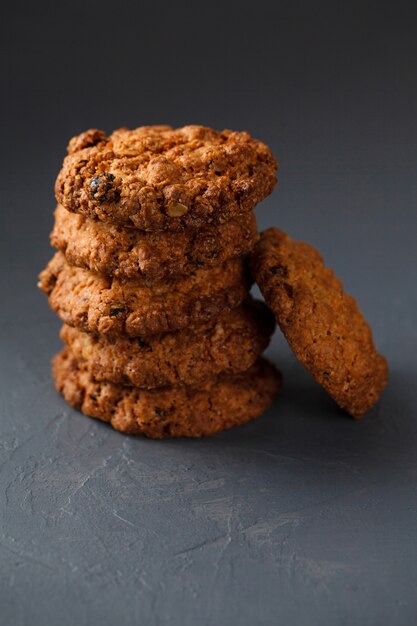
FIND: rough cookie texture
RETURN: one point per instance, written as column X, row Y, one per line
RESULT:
column 230, row 344
column 322, row 324
column 111, row 306
column 128, row 252
column 171, row 411
column 158, row 177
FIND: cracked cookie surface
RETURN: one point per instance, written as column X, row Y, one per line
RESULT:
column 163, row 178
column 230, row 344
column 111, row 306
column 127, row 252
column 323, row 325
column 220, row 403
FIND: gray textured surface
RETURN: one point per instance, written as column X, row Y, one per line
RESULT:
column 304, row 517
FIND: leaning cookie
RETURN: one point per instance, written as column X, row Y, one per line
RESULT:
column 219, row 404
column 322, row 324
column 131, row 253
column 228, row 345
column 110, row 306
column 161, row 178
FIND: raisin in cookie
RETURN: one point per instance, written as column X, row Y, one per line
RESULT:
column 220, row 403
column 230, row 344
column 111, row 306
column 322, row 324
column 132, row 253
column 161, row 178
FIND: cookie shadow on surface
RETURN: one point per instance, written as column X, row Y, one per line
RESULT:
column 306, row 425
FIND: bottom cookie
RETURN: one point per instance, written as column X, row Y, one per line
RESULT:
column 172, row 411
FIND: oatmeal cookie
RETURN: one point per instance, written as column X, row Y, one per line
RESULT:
column 323, row 325
column 127, row 252
column 111, row 306
column 220, row 403
column 163, row 178
column 229, row 344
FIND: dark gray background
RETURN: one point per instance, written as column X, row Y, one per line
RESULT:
column 304, row 517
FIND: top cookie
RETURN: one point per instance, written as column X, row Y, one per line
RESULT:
column 161, row 178
column 323, row 325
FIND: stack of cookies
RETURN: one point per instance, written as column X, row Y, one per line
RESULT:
column 153, row 230
column 157, row 246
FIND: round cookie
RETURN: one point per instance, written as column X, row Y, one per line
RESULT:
column 111, row 306
column 322, row 324
column 127, row 252
column 161, row 178
column 171, row 411
column 230, row 344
